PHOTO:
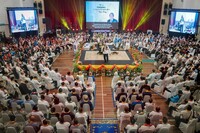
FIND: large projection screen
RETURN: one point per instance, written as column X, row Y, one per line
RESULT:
column 22, row 19
column 183, row 21
column 102, row 14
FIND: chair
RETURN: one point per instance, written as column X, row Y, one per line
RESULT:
column 14, row 106
column 132, row 131
column 74, row 99
column 62, row 99
column 11, row 130
column 48, row 99
column 146, row 98
column 62, row 130
column 53, row 120
column 82, row 120
column 43, row 108
column 76, row 130
column 67, row 118
column 58, row 109
column 20, row 119
column 122, row 96
column 28, row 107
column 123, row 124
column 71, row 108
column 137, row 107
column 155, row 119
column 133, row 98
column 46, row 130
column 90, row 80
column 38, row 119
column 140, row 120
column 149, row 108
column 121, row 109
column 148, row 131
column 86, row 108
column 34, row 98
column 29, row 129
column 5, row 118
column 188, row 127
column 164, row 130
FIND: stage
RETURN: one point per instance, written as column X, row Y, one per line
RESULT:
column 120, row 59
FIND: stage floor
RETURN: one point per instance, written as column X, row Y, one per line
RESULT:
column 91, row 57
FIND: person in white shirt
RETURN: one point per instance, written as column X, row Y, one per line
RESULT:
column 125, row 115
column 69, row 77
column 106, row 51
column 3, row 93
column 57, row 77
column 151, row 76
column 70, row 102
column 64, row 88
column 61, row 96
column 36, row 84
column 35, row 111
column 82, row 114
column 45, row 125
column 147, row 126
column 164, row 124
column 131, row 126
column 90, row 89
column 43, row 101
column 46, row 69
column 41, row 66
column 61, row 124
column 157, row 112
column 48, row 81
column 171, row 87
column 81, row 76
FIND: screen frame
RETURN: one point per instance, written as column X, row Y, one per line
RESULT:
column 19, row 9
column 185, row 10
column 119, row 19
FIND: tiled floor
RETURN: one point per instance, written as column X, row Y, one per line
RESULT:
column 104, row 107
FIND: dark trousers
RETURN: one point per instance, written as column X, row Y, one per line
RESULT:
column 105, row 56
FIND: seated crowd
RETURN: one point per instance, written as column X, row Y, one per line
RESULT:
column 177, row 79
column 36, row 98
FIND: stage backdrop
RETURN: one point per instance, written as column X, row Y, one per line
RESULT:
column 134, row 14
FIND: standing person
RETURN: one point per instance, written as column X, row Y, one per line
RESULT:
column 106, row 51
column 23, row 22
column 181, row 24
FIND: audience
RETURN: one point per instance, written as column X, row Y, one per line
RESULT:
column 28, row 72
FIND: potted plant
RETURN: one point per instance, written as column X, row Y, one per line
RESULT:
column 139, row 69
column 75, row 68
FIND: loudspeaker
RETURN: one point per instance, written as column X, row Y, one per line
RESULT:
column 165, row 12
column 170, row 5
column 169, row 12
column 163, row 21
column 44, row 20
column 35, row 4
column 165, row 6
column 40, row 11
column 40, row 4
